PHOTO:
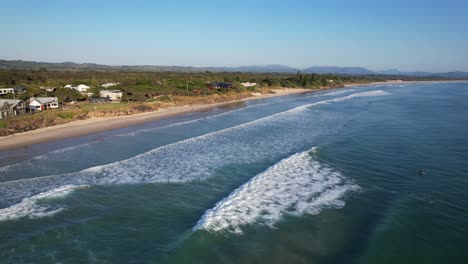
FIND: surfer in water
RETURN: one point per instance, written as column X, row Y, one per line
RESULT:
column 421, row 172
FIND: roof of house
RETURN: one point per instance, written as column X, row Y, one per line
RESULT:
column 111, row 91
column 11, row 102
column 44, row 100
column 109, row 84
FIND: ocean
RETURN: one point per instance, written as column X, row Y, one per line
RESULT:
column 324, row 177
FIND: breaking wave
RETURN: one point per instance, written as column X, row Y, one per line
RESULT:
column 294, row 186
column 261, row 140
column 31, row 208
column 338, row 92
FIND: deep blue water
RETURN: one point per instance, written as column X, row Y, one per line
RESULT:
column 328, row 177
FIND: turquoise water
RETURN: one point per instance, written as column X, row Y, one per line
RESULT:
column 327, row 177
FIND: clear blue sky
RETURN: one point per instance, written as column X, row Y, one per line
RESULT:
column 404, row 34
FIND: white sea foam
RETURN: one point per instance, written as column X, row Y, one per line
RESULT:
column 338, row 92
column 31, row 208
column 150, row 130
column 296, row 185
column 200, row 157
column 363, row 94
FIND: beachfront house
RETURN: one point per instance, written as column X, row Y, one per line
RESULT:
column 11, row 107
column 219, row 85
column 4, row 91
column 98, row 100
column 48, row 89
column 43, row 103
column 80, row 88
column 113, row 95
column 106, row 85
column 248, row 84
column 20, row 89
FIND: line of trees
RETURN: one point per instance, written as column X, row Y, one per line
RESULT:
column 141, row 86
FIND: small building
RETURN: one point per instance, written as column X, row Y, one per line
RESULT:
column 113, row 95
column 219, row 85
column 248, row 84
column 20, row 89
column 43, row 103
column 81, row 88
column 109, row 84
column 48, row 89
column 4, row 91
column 98, row 100
column 11, row 107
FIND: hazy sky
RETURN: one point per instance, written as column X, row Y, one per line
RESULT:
column 408, row 35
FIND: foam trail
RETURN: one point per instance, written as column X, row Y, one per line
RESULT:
column 200, row 157
column 30, row 207
column 296, row 185
column 150, row 130
column 338, row 92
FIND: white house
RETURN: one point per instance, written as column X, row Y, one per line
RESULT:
column 110, row 84
column 6, row 91
column 113, row 95
column 48, row 89
column 81, row 88
column 43, row 103
column 248, row 84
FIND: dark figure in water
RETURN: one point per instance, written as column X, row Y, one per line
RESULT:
column 421, row 172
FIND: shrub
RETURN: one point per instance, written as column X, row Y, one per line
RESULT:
column 66, row 115
column 142, row 108
column 165, row 98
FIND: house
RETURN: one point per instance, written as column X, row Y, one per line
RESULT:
column 4, row 91
column 248, row 84
column 43, row 103
column 218, row 85
column 113, row 95
column 81, row 88
column 98, row 100
column 48, row 89
column 11, row 107
column 20, row 89
column 110, row 84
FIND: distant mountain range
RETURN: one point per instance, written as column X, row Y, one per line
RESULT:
column 275, row 68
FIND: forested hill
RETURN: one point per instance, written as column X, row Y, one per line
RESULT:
column 274, row 68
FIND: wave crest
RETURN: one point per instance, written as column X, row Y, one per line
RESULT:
column 296, row 185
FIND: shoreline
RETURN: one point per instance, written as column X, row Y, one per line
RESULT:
column 101, row 124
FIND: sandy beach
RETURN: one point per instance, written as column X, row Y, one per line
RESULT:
column 100, row 124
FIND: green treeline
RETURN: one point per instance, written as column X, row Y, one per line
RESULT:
column 143, row 86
